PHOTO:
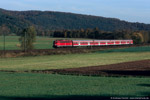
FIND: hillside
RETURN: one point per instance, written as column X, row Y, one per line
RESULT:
column 49, row 20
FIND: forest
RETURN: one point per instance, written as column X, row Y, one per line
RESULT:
column 46, row 22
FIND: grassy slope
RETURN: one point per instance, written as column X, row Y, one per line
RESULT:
column 47, row 85
column 69, row 61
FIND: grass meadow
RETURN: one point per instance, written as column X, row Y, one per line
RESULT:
column 69, row 60
column 28, row 85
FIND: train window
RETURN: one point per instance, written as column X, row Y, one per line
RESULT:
column 83, row 42
column 65, row 41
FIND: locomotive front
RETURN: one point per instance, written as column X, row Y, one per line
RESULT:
column 62, row 43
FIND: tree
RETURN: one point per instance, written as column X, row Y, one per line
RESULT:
column 28, row 37
column 137, row 37
column 43, row 33
column 4, row 30
column 65, row 34
column 146, row 36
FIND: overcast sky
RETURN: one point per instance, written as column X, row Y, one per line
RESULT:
column 129, row 10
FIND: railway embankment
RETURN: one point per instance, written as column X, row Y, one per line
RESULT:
column 58, row 51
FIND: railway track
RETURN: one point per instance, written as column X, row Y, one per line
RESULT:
column 62, row 49
column 15, row 53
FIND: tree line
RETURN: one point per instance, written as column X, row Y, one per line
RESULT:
column 139, row 37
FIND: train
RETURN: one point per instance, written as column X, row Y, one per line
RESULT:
column 88, row 43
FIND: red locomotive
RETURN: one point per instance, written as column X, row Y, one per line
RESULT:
column 79, row 43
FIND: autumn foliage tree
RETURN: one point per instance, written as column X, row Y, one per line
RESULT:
column 137, row 37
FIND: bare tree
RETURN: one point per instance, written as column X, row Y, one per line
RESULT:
column 4, row 30
column 28, row 37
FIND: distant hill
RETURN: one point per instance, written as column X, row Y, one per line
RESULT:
column 49, row 20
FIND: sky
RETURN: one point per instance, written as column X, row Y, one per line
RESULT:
column 128, row 10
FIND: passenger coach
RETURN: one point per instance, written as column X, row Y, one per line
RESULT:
column 79, row 43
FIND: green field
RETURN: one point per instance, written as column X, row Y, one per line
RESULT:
column 27, row 85
column 69, row 60
column 131, row 49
